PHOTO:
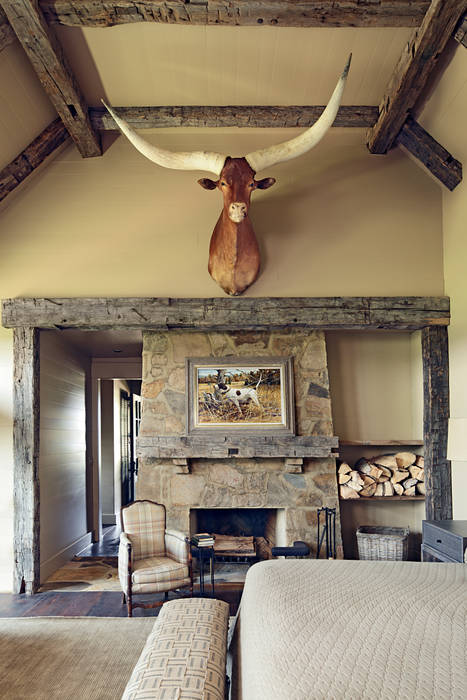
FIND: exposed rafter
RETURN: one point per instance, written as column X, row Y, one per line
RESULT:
column 18, row 170
column 291, row 13
column 46, row 56
column 7, row 35
column 413, row 70
column 429, row 152
column 255, row 116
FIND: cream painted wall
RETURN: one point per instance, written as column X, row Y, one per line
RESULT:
column 376, row 385
column 62, row 457
column 338, row 222
column 445, row 117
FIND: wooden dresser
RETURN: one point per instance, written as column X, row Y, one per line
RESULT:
column 444, row 540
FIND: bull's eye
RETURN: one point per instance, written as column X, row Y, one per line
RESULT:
column 252, row 184
column 224, row 184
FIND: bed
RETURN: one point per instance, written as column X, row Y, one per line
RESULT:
column 313, row 629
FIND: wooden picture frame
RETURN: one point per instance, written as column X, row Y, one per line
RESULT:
column 238, row 395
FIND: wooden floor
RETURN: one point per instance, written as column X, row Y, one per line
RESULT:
column 95, row 604
column 107, row 546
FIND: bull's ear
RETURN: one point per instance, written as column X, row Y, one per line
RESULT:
column 265, row 183
column 207, row 183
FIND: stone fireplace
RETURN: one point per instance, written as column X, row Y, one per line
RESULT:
column 238, row 483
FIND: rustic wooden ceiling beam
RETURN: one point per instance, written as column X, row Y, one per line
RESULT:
column 47, row 58
column 413, row 70
column 301, row 13
column 254, row 116
column 7, row 35
column 21, row 167
column 224, row 314
column 429, row 152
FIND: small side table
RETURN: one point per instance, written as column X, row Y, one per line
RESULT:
column 204, row 555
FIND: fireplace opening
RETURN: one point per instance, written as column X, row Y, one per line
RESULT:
column 242, row 534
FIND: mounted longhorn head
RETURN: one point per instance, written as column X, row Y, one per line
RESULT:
column 234, row 258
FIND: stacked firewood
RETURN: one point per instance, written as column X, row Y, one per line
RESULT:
column 400, row 474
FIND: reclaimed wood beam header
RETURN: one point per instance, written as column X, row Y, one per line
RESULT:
column 224, row 314
column 240, row 116
column 300, row 13
column 47, row 58
column 23, row 165
column 245, row 446
column 413, row 70
column 429, row 152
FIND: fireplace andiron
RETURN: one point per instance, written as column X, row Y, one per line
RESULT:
column 328, row 532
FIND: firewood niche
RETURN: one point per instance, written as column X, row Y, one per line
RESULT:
column 395, row 476
column 292, row 448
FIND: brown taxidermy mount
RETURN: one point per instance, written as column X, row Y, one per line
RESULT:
column 234, row 259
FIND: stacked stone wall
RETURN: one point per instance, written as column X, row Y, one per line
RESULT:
column 237, row 483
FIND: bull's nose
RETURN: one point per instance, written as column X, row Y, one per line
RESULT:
column 237, row 211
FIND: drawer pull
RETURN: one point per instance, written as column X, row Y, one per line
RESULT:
column 439, row 541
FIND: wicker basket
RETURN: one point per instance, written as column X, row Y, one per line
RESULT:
column 383, row 543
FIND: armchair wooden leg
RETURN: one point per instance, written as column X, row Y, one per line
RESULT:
column 123, row 599
column 128, row 605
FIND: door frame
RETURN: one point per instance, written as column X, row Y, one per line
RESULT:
column 26, row 316
column 104, row 368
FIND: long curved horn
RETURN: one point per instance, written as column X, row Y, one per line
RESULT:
column 299, row 145
column 194, row 160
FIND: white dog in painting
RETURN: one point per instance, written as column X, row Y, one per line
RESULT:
column 238, row 396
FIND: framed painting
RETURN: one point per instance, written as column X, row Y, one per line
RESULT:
column 240, row 395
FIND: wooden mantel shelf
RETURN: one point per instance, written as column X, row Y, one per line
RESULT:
column 292, row 448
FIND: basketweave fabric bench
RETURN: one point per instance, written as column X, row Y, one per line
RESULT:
column 185, row 655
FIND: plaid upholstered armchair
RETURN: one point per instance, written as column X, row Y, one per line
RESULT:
column 151, row 559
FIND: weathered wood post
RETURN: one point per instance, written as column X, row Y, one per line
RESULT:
column 438, row 503
column 26, row 459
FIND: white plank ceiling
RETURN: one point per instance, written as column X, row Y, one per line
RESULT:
column 155, row 64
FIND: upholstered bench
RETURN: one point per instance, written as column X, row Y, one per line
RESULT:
column 185, row 654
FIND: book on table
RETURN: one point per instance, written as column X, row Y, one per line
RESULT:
column 202, row 539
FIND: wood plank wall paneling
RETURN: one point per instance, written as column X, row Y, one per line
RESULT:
column 435, row 356
column 62, row 458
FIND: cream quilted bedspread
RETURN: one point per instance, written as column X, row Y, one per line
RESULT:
column 352, row 629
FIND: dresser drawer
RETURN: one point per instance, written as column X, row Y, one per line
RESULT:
column 445, row 542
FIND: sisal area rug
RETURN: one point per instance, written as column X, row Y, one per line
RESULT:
column 47, row 658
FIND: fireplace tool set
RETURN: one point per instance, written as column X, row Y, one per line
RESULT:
column 327, row 533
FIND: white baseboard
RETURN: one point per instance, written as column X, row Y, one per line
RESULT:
column 109, row 519
column 48, row 567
